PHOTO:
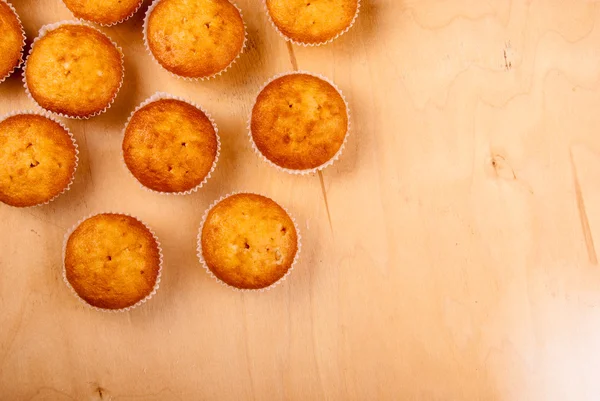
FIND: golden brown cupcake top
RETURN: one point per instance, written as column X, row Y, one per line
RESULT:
column 12, row 42
column 112, row 261
column 249, row 241
column 195, row 38
column 75, row 70
column 312, row 21
column 299, row 121
column 170, row 146
column 106, row 12
column 37, row 160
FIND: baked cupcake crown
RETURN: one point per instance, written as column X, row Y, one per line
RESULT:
column 238, row 286
column 301, row 171
column 67, row 181
column 17, row 60
column 296, row 25
column 159, row 97
column 110, row 305
column 66, row 107
column 177, row 58
column 103, row 12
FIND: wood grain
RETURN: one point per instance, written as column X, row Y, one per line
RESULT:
column 451, row 253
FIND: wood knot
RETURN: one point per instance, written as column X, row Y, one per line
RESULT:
column 99, row 393
column 499, row 167
column 508, row 56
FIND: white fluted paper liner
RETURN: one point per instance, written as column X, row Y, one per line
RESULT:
column 311, row 170
column 52, row 118
column 147, row 46
column 287, row 38
column 50, row 27
column 218, row 280
column 2, row 79
column 152, row 99
column 112, row 23
column 68, row 284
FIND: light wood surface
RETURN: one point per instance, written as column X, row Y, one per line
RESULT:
column 451, row 254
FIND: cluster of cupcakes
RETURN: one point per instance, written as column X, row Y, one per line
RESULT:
column 299, row 124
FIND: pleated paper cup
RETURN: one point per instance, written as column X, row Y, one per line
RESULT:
column 329, row 162
column 51, row 27
column 111, row 23
column 206, row 78
column 218, row 280
column 83, row 301
column 2, row 79
column 52, row 118
column 162, row 95
column 299, row 43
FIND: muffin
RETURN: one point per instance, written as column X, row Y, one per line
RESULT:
column 194, row 38
column 248, row 241
column 38, row 159
column 170, row 145
column 299, row 122
column 312, row 22
column 112, row 261
column 74, row 70
column 103, row 12
column 13, row 40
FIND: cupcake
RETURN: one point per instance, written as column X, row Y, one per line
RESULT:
column 299, row 122
column 38, row 158
column 313, row 22
column 194, row 38
column 170, row 145
column 103, row 12
column 73, row 70
column 13, row 40
column 112, row 261
column 248, row 241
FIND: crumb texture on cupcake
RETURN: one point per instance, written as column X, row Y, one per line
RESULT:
column 112, row 261
column 37, row 160
column 195, row 38
column 11, row 43
column 170, row 146
column 249, row 241
column 299, row 121
column 313, row 21
column 103, row 11
column 75, row 70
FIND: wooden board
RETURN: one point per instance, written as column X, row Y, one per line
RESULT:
column 451, row 254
